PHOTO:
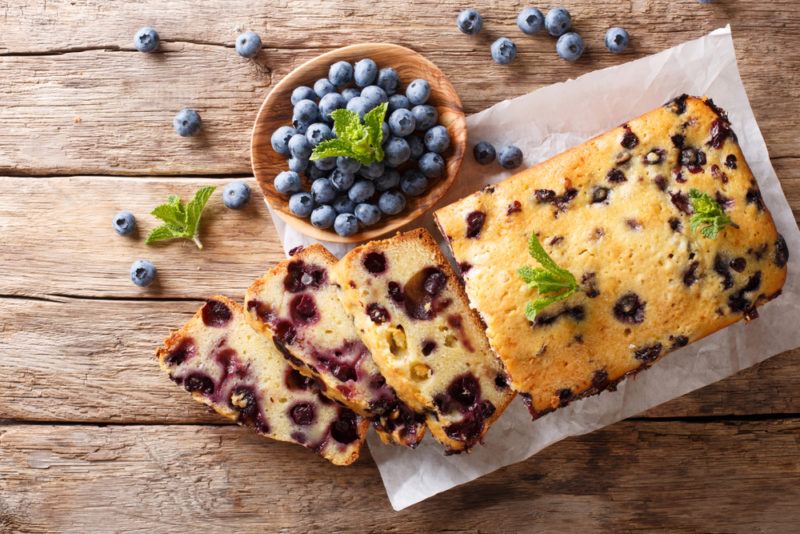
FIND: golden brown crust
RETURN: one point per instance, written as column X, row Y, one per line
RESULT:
column 619, row 234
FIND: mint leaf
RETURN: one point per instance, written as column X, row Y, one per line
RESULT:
column 181, row 220
column 708, row 215
column 552, row 283
column 354, row 139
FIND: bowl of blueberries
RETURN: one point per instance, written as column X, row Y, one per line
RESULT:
column 358, row 142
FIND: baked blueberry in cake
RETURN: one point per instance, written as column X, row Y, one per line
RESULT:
column 230, row 367
column 662, row 228
column 296, row 305
column 411, row 311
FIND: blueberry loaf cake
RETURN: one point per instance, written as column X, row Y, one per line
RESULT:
column 411, row 311
column 230, row 367
column 658, row 225
column 297, row 306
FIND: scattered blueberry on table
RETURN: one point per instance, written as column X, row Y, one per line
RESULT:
column 530, row 21
column 558, row 21
column 146, row 40
column 187, row 122
column 469, row 21
column 510, row 157
column 248, row 44
column 360, row 142
column 484, row 153
column 617, row 40
column 143, row 272
column 570, row 46
column 124, row 223
column 503, row 51
column 236, row 195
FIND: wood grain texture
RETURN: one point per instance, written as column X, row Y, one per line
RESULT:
column 95, row 106
column 277, row 111
column 76, row 360
column 631, row 477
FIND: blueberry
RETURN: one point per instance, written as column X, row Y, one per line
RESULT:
column 418, row 92
column 143, row 272
column 510, row 157
column 322, row 87
column 299, row 147
column 323, row 216
column 303, row 93
column 398, row 102
column 345, row 224
column 343, row 204
column 367, row 214
column 374, row 95
column 365, row 72
column 437, row 139
column 388, row 80
column 350, row 93
column 530, row 20
column 570, row 46
column 301, row 204
column 432, row 165
column 342, row 181
column 385, row 131
column 237, row 194
column 372, row 171
column 187, row 122
column 330, row 103
column 314, row 173
column 286, row 183
column 483, row 153
column 348, row 165
column 325, row 164
column 146, row 40
column 469, row 21
column 417, row 146
column 305, row 111
column 397, row 151
column 124, row 223
column 425, row 117
column 297, row 164
column 392, row 202
column 361, row 191
column 504, row 51
column 248, row 44
column 558, row 22
column 414, row 183
column 301, row 126
column 340, row 73
column 617, row 40
column 387, row 180
column 318, row 132
column 323, row 191
column 280, row 139
column 359, row 105
column 402, row 123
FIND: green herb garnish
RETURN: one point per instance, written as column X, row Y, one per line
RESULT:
column 354, row 139
column 553, row 283
column 180, row 220
column 708, row 215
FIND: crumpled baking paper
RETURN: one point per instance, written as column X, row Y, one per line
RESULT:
column 544, row 123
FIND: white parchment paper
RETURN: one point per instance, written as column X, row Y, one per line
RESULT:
column 547, row 122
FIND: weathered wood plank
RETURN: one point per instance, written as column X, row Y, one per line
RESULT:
column 80, row 360
column 643, row 476
column 56, row 238
column 94, row 106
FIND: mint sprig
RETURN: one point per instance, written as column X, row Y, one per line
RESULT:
column 355, row 139
column 180, row 220
column 552, row 283
column 708, row 215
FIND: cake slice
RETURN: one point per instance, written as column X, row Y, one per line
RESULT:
column 631, row 215
column 411, row 311
column 230, row 367
column 296, row 305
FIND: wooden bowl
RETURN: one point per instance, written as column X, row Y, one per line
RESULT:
column 276, row 111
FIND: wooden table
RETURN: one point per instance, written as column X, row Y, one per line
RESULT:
column 94, row 438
